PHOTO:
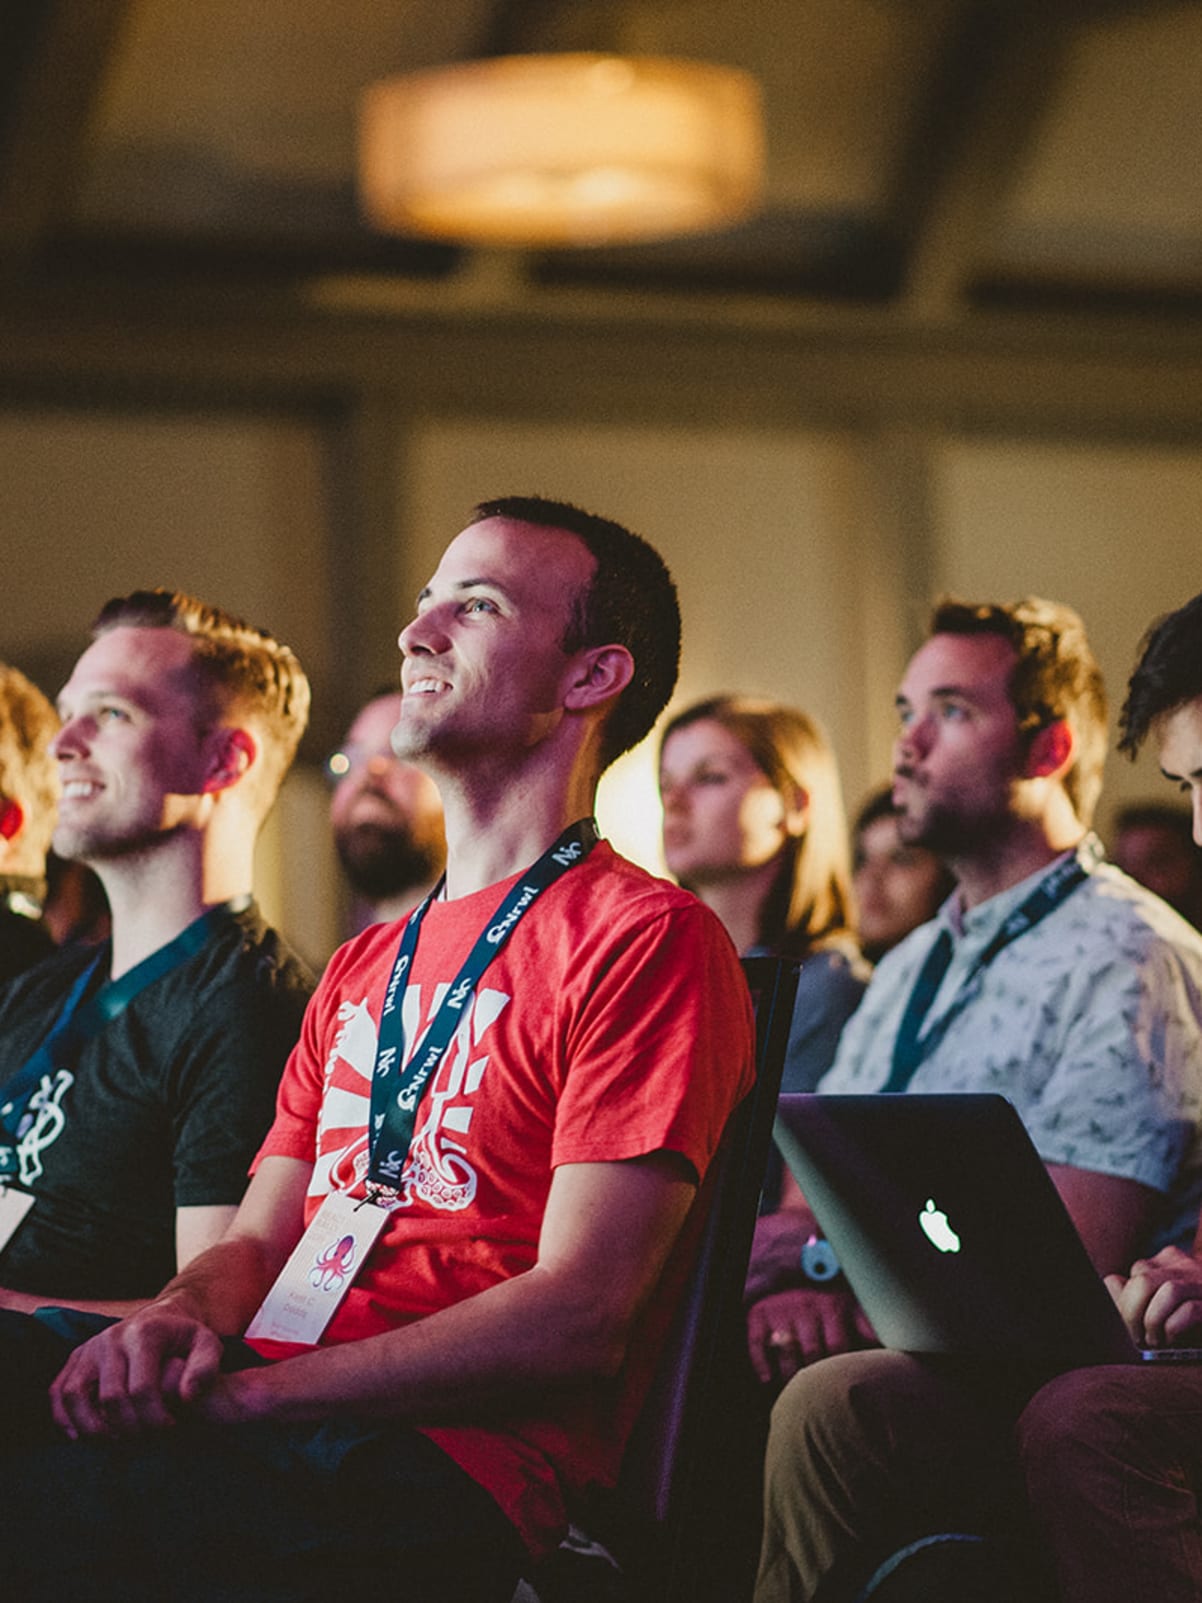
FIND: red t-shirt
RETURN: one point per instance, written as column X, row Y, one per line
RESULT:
column 613, row 1023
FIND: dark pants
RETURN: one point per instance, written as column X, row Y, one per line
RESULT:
column 231, row 1514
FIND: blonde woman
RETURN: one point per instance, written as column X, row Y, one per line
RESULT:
column 754, row 825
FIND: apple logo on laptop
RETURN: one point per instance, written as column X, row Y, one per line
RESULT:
column 936, row 1228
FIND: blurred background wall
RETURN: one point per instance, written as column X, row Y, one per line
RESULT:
column 958, row 348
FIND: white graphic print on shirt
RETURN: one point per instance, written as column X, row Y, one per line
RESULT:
column 438, row 1169
column 42, row 1123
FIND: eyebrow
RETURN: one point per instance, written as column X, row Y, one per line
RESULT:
column 469, row 584
column 104, row 693
column 941, row 693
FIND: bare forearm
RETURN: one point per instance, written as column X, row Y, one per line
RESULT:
column 224, row 1286
column 520, row 1337
column 28, row 1302
column 776, row 1250
column 607, row 1231
column 1112, row 1215
column 197, row 1228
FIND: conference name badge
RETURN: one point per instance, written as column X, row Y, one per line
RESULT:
column 319, row 1272
column 14, row 1205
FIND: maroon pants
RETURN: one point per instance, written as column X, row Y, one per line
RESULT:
column 1113, row 1465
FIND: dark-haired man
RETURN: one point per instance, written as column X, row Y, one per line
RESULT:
column 1113, row 1457
column 1154, row 843
column 490, row 1218
column 1049, row 977
column 137, row 1079
column 385, row 816
column 28, row 798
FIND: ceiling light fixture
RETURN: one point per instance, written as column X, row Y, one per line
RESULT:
column 560, row 150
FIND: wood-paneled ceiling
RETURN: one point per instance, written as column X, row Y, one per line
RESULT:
column 933, row 156
column 976, row 212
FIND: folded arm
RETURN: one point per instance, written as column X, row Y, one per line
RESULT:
column 196, row 1230
column 606, row 1235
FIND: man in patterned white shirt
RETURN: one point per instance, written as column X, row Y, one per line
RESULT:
column 1047, row 976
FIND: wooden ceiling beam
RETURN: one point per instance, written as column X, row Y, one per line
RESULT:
column 983, row 110
column 54, row 56
column 1057, row 377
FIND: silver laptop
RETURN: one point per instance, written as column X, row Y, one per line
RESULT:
column 949, row 1229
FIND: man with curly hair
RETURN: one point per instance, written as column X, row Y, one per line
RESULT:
column 1049, row 977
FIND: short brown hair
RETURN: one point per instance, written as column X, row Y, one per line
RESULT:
column 28, row 771
column 244, row 668
column 631, row 601
column 1055, row 678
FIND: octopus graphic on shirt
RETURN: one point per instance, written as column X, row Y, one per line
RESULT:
column 615, row 1022
column 437, row 1169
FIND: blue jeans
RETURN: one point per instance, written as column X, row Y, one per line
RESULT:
column 231, row 1514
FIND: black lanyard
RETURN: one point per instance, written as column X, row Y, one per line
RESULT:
column 908, row 1050
column 81, row 1019
column 397, row 1085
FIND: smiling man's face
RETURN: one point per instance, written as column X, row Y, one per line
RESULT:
column 484, row 661
column 132, row 755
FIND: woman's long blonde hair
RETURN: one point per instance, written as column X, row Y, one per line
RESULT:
column 810, row 902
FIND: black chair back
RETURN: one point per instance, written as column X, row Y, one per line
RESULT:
column 671, row 1487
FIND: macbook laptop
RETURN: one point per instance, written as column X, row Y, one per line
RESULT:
column 949, row 1228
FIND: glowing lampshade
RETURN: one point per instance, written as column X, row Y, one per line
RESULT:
column 560, row 150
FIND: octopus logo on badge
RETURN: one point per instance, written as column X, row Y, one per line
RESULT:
column 331, row 1267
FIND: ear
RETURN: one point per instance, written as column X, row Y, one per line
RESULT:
column 1051, row 750
column 797, row 811
column 596, row 676
column 232, row 754
column 12, row 816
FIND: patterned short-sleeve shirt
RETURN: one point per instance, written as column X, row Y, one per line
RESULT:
column 1090, row 1023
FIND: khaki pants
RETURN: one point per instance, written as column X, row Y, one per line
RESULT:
column 871, row 1451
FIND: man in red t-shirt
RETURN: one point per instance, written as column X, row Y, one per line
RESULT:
column 463, row 1238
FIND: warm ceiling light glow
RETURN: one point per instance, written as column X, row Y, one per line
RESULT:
column 560, row 150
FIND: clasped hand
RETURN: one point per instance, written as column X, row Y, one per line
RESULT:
column 1161, row 1299
column 140, row 1374
column 789, row 1322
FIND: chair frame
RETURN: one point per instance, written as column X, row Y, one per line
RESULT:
column 669, row 1501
